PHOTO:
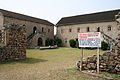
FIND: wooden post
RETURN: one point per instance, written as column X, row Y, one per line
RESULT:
column 81, row 59
column 98, row 52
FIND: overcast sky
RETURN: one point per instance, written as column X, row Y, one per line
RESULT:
column 54, row 10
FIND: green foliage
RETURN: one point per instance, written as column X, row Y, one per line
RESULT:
column 104, row 45
column 57, row 41
column 49, row 42
column 108, row 68
column 72, row 43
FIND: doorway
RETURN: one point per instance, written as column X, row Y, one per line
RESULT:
column 40, row 41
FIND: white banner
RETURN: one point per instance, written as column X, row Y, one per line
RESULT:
column 91, row 39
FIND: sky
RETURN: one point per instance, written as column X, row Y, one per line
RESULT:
column 54, row 10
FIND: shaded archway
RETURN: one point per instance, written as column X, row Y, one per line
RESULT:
column 40, row 41
column 34, row 29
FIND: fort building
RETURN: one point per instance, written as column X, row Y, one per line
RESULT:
column 69, row 27
column 37, row 30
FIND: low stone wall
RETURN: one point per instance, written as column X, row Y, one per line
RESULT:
column 109, row 62
column 15, row 47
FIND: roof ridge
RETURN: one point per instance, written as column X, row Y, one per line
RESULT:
column 91, row 17
column 19, row 14
column 93, row 13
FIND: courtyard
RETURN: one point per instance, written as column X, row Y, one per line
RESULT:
column 52, row 64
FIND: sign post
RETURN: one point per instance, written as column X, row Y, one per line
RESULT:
column 98, row 52
column 81, row 61
column 91, row 39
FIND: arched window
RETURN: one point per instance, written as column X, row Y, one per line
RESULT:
column 62, row 30
column 70, row 30
column 98, row 29
column 109, row 27
column 34, row 29
column 78, row 30
column 42, row 29
column 48, row 30
column 88, row 29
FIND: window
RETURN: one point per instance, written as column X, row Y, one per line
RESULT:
column 61, row 30
column 48, row 30
column 65, row 40
column 42, row 29
column 98, row 29
column 119, row 28
column 0, row 36
column 76, row 39
column 109, row 28
column 88, row 29
column 34, row 29
column 78, row 30
column 70, row 30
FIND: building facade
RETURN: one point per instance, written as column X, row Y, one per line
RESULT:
column 69, row 27
column 37, row 30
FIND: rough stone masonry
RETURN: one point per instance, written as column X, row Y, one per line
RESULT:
column 109, row 61
column 15, row 43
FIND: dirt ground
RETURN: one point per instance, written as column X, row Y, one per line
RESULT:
column 45, row 65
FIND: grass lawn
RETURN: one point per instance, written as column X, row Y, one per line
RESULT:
column 54, row 64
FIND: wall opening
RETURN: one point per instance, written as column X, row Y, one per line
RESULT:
column 40, row 41
column 98, row 29
column 34, row 29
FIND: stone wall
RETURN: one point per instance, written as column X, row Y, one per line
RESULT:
column 65, row 35
column 29, row 29
column 15, row 48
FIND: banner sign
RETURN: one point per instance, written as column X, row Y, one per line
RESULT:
column 91, row 39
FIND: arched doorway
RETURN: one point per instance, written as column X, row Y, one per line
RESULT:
column 40, row 42
column 34, row 29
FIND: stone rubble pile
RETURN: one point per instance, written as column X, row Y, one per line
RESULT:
column 15, row 47
column 109, row 62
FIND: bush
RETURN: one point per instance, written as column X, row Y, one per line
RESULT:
column 104, row 45
column 51, row 42
column 72, row 43
column 47, row 42
column 57, row 41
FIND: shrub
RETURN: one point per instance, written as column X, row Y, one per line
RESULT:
column 47, row 42
column 51, row 42
column 72, row 43
column 57, row 41
column 104, row 45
